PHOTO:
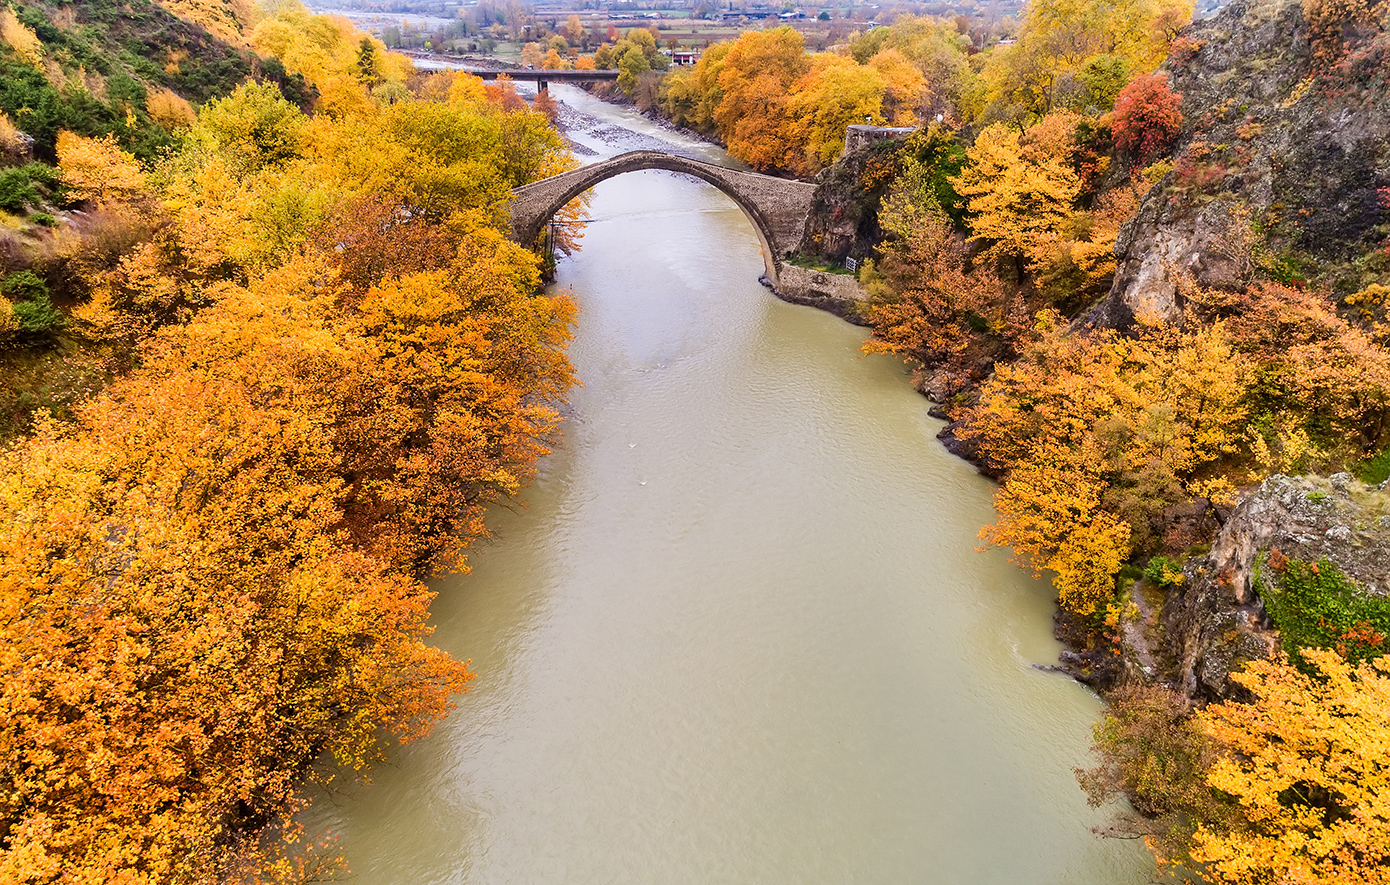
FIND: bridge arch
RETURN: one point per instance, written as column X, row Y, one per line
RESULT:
column 776, row 207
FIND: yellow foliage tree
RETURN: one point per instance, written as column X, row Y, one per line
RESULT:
column 1098, row 435
column 170, row 110
column 904, row 88
column 330, row 52
column 97, row 169
column 225, row 621
column 21, row 38
column 834, row 93
column 1305, row 760
column 1019, row 198
column 936, row 50
column 225, row 18
column 690, row 96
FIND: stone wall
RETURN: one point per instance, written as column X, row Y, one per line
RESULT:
column 838, row 293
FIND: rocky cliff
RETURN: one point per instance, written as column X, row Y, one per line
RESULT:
column 844, row 217
column 1213, row 619
column 1285, row 146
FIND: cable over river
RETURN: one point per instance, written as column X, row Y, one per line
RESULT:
column 739, row 632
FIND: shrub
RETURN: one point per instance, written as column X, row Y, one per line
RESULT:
column 1376, row 469
column 28, row 185
column 1163, row 572
column 17, row 191
column 32, row 314
column 38, row 318
column 24, row 286
column 1150, row 751
column 1146, row 118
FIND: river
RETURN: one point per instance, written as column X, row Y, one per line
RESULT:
column 739, row 632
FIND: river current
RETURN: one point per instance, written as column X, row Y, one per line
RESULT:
column 738, row 632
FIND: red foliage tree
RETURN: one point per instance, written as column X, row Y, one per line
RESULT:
column 1146, row 118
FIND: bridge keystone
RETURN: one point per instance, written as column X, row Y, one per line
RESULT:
column 777, row 207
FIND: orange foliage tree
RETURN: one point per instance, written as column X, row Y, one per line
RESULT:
column 754, row 116
column 209, row 574
column 1317, row 369
column 187, row 619
column 927, row 305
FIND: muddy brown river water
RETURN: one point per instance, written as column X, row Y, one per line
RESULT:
column 739, row 632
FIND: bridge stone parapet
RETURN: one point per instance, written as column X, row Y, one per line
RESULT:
column 777, row 207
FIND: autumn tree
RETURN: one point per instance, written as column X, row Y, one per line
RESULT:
column 1305, row 761
column 690, row 96
column 224, row 620
column 1020, row 195
column 573, row 29
column 97, row 169
column 831, row 95
column 1151, row 752
column 170, row 110
column 21, row 38
column 1317, row 369
column 211, row 569
column 927, row 304
column 904, row 88
column 254, row 127
column 1146, row 118
column 1047, row 68
column 329, row 53
column 1097, row 435
column 936, row 51
column 754, row 116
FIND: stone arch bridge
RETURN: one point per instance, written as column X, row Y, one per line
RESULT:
column 777, row 207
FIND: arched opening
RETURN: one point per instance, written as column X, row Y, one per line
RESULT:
column 535, row 204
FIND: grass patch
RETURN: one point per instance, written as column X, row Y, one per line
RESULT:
column 815, row 262
column 1314, row 605
column 1375, row 470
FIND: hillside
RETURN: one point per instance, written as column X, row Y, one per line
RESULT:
column 99, row 67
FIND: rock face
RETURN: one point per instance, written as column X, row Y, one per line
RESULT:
column 1271, row 134
column 18, row 151
column 1215, row 619
column 844, row 214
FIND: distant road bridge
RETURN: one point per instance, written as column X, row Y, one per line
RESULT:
column 542, row 78
column 777, row 207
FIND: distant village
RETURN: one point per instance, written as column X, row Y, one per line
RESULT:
column 683, row 28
